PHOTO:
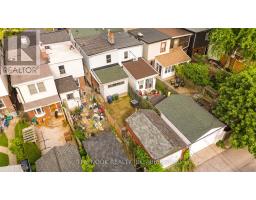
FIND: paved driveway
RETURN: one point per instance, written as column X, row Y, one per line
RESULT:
column 231, row 160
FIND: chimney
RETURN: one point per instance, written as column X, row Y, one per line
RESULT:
column 111, row 37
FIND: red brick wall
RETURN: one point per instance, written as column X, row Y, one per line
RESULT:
column 82, row 83
column 8, row 104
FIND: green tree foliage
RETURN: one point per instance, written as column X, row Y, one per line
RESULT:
column 10, row 31
column 198, row 73
column 32, row 152
column 185, row 164
column 236, row 107
column 87, row 164
column 16, row 147
column 226, row 41
column 79, row 134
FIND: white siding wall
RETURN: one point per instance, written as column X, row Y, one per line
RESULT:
column 153, row 50
column 73, row 103
column 27, row 97
column 163, row 75
column 171, row 159
column 72, row 67
column 120, row 89
column 3, row 85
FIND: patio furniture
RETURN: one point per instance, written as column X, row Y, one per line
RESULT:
column 134, row 103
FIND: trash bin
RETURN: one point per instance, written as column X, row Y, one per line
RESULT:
column 109, row 99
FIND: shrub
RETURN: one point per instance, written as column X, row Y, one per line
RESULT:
column 19, row 126
column 16, row 148
column 185, row 164
column 32, row 152
column 3, row 140
column 4, row 160
column 79, row 133
column 82, row 152
column 220, row 144
column 160, row 86
column 87, row 164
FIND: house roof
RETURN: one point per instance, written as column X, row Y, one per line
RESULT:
column 11, row 168
column 174, row 57
column 60, row 159
column 66, row 84
column 108, row 154
column 187, row 116
column 43, row 71
column 197, row 30
column 49, row 37
column 139, row 68
column 88, row 32
column 157, row 138
column 98, row 44
column 174, row 32
column 110, row 73
column 41, row 103
column 150, row 35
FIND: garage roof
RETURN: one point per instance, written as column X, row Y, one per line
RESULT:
column 187, row 116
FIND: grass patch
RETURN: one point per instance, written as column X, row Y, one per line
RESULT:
column 4, row 160
column 32, row 152
column 19, row 126
column 3, row 140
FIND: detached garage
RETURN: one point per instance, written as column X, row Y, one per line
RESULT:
column 195, row 125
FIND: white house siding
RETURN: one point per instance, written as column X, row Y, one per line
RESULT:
column 171, row 159
column 164, row 75
column 3, row 86
column 153, row 50
column 120, row 89
column 211, row 137
column 73, row 103
column 72, row 67
column 25, row 95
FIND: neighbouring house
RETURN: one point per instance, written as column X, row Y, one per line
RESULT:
column 107, row 153
column 37, row 93
column 110, row 80
column 148, row 130
column 154, row 42
column 179, row 37
column 107, row 49
column 60, row 159
column 63, row 58
column 195, row 125
column 6, row 105
column 165, row 63
column 68, row 91
column 199, row 41
column 11, row 168
column 142, row 76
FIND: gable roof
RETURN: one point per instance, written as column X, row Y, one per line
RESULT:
column 150, row 35
column 110, row 73
column 49, row 37
column 60, row 159
column 107, row 153
column 65, row 84
column 157, row 138
column 174, row 32
column 139, row 68
column 187, row 116
column 98, row 44
column 174, row 57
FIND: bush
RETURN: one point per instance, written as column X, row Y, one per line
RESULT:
column 79, row 134
column 160, row 86
column 19, row 126
column 3, row 140
column 185, row 164
column 87, row 164
column 32, row 152
column 82, row 152
column 16, row 148
column 198, row 73
column 220, row 144
column 4, row 160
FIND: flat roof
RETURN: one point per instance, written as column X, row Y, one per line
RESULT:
column 107, row 153
column 157, row 138
column 88, row 32
column 139, row 68
column 174, row 57
column 111, row 73
column 65, row 84
column 150, row 35
column 49, row 37
column 192, row 120
column 174, row 32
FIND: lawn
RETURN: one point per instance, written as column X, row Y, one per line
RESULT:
column 4, row 160
column 120, row 109
column 3, row 140
column 19, row 126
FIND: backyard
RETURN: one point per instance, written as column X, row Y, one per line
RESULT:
column 4, row 159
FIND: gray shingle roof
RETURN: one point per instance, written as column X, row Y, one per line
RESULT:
column 187, row 116
column 66, row 84
column 150, row 35
column 98, row 44
column 107, row 153
column 157, row 138
column 49, row 37
column 89, row 32
column 196, row 30
column 60, row 159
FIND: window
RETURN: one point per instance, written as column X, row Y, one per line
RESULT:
column 47, row 47
column 32, row 89
column 125, row 54
column 39, row 111
column 116, row 84
column 108, row 57
column 41, row 87
column 149, row 83
column 2, row 104
column 163, row 47
column 62, row 69
column 141, row 84
column 70, row 96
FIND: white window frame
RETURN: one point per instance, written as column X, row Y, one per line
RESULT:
column 141, row 83
column 39, row 114
column 161, row 46
column 63, row 69
column 35, row 88
column 108, row 60
column 38, row 87
column 4, row 106
column 126, row 52
column 71, row 93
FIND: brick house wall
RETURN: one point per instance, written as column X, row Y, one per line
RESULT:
column 82, row 83
column 9, row 108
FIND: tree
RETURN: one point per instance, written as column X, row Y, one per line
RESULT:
column 9, row 31
column 198, row 73
column 87, row 164
column 228, row 41
column 236, row 107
